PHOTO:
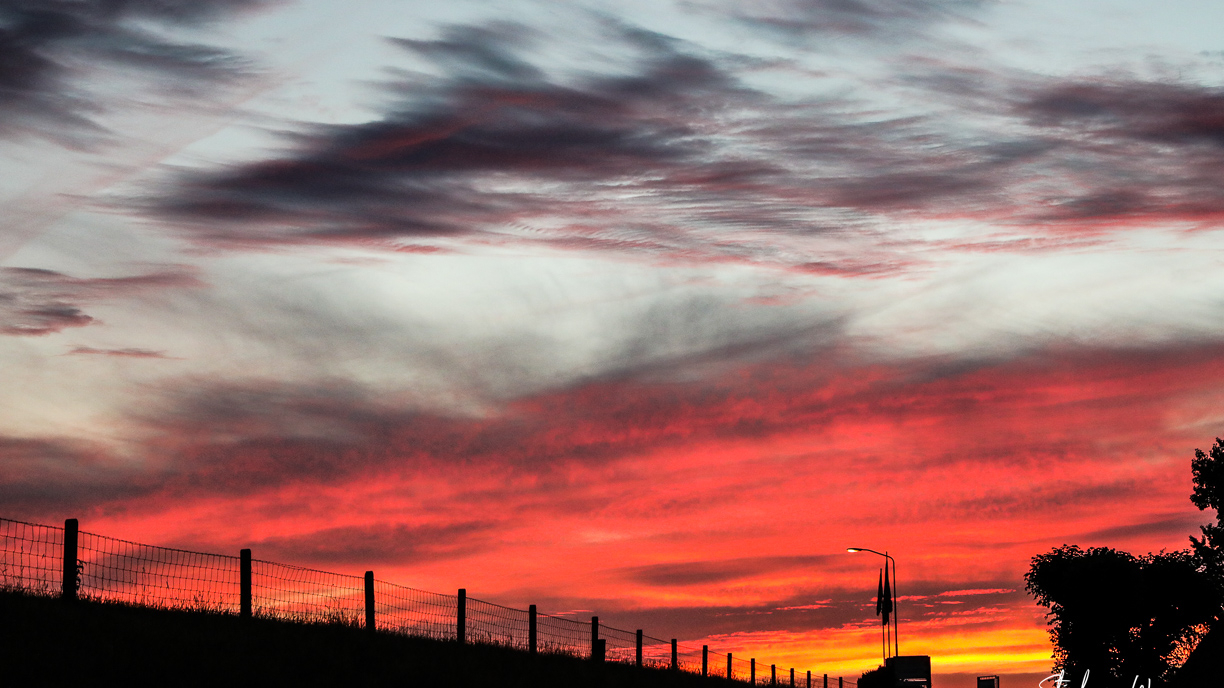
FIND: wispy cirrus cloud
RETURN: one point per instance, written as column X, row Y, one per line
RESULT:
column 119, row 353
column 233, row 442
column 680, row 159
column 48, row 47
column 704, row 572
column 36, row 302
column 852, row 19
column 382, row 543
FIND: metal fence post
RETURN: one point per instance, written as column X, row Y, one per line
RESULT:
column 244, row 584
column 728, row 666
column 70, row 559
column 369, row 601
column 531, row 629
column 638, row 660
column 705, row 660
column 461, row 617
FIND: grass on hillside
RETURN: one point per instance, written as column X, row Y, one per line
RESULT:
column 45, row 641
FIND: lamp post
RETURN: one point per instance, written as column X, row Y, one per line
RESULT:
column 896, row 643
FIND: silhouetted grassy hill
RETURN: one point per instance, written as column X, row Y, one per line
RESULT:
column 47, row 642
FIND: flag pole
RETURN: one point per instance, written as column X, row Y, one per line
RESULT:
column 880, row 613
column 896, row 621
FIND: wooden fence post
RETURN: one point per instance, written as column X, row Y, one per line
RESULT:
column 675, row 664
column 70, row 559
column 826, row 682
column 461, row 617
column 244, row 584
column 594, row 637
column 728, row 666
column 839, row 682
column 792, row 677
column 773, row 674
column 369, row 601
column 752, row 671
column 638, row 661
column 531, row 629
column 705, row 660
column 809, row 685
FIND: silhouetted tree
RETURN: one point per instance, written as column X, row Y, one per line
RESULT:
column 1208, row 470
column 1122, row 616
column 1119, row 615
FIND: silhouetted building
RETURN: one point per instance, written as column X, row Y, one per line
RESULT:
column 906, row 671
column 988, row 682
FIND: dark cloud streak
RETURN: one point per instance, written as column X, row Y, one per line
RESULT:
column 36, row 302
column 46, row 46
column 677, row 157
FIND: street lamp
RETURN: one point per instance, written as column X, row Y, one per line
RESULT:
column 896, row 642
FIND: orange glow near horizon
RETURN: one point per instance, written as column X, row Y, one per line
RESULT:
column 741, row 541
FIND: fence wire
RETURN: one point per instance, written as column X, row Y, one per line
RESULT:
column 493, row 624
column 122, row 571
column 306, row 595
column 415, row 612
column 656, row 652
column 31, row 557
column 110, row 569
column 621, row 645
column 558, row 635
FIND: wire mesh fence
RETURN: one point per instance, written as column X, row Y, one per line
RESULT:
column 656, row 652
column 121, row 571
column 32, row 557
column 293, row 593
column 621, row 645
column 113, row 570
column 409, row 611
column 559, row 635
column 493, row 624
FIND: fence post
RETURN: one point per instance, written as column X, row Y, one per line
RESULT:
column 728, row 666
column 826, row 682
column 461, row 617
column 531, row 629
column 752, row 671
column 638, row 661
column 773, row 674
column 792, row 677
column 675, row 664
column 809, row 685
column 244, row 584
column 705, row 660
column 839, row 682
column 594, row 638
column 70, row 559
column 369, row 601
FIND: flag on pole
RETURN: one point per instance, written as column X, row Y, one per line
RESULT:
column 888, row 601
column 880, row 595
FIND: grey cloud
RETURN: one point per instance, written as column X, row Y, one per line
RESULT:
column 861, row 19
column 46, row 46
column 680, row 160
column 381, row 544
column 36, row 302
column 704, row 572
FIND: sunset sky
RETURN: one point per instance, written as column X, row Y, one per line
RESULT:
column 647, row 309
